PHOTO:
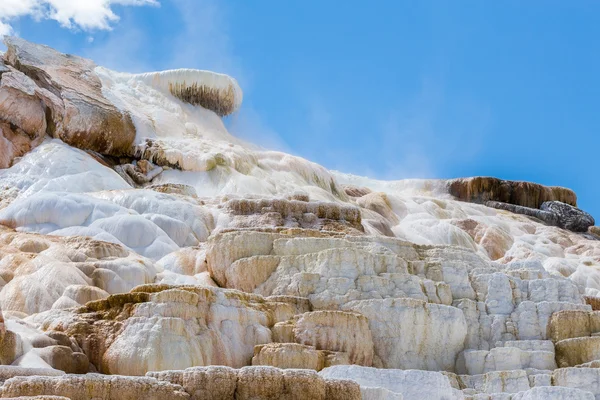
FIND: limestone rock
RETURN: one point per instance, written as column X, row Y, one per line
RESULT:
column 203, row 383
column 288, row 355
column 160, row 327
column 507, row 358
column 11, row 347
column 9, row 371
column 412, row 384
column 379, row 203
column 222, row 383
column 20, row 105
column 42, row 397
column 56, row 167
column 44, row 269
column 82, row 294
column 593, row 301
column 63, row 358
column 3, row 68
column 379, row 393
column 330, row 271
column 553, row 393
column 585, row 379
column 22, row 116
column 495, row 240
column 174, row 188
column 83, row 117
column 136, row 176
column 161, row 222
column 251, row 213
column 573, row 324
column 93, row 386
column 527, row 194
column 356, row 191
column 514, row 381
column 576, row 351
column 187, row 261
column 335, row 331
column 411, row 334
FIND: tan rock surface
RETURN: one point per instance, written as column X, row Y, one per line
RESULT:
column 573, row 324
column 577, row 351
column 336, row 331
column 160, row 327
column 93, row 386
column 288, row 355
column 39, row 270
column 222, row 383
column 83, row 117
column 527, row 194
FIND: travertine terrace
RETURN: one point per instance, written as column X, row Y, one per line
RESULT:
column 146, row 253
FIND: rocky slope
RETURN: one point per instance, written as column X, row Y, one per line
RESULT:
column 147, row 253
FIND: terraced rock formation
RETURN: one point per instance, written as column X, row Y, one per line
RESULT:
column 147, row 253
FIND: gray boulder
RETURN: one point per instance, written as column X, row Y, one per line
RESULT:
column 569, row 217
column 546, row 216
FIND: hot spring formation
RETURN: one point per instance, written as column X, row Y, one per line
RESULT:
column 147, row 253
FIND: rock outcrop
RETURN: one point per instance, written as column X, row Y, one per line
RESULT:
column 547, row 217
column 222, row 383
column 69, row 93
column 554, row 213
column 569, row 217
column 93, row 386
column 214, row 383
column 22, row 115
column 411, row 384
column 39, row 272
column 160, row 327
column 526, row 194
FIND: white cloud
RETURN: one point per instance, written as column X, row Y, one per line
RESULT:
column 5, row 29
column 73, row 14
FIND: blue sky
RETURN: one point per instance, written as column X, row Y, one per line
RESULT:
column 387, row 89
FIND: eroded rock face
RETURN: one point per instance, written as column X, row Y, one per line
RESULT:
column 12, row 347
column 250, row 213
column 77, row 111
column 335, row 331
column 398, row 343
column 159, row 327
column 222, row 383
column 410, row 384
column 93, row 386
column 22, row 115
column 42, row 272
column 494, row 239
column 289, row 355
column 527, row 194
column 330, row 271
